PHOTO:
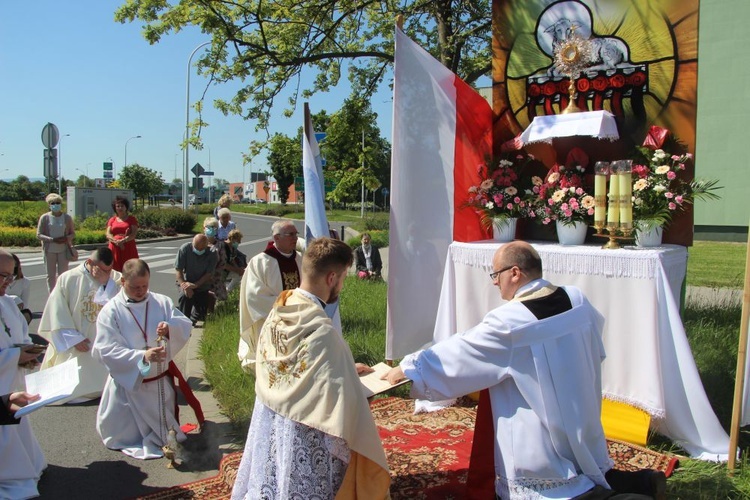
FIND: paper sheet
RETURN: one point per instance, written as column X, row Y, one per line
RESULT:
column 53, row 384
column 372, row 382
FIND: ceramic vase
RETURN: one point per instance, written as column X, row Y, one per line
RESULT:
column 648, row 236
column 571, row 234
column 504, row 230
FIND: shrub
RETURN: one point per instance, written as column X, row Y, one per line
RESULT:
column 376, row 224
column 18, row 237
column 96, row 222
column 177, row 220
column 148, row 232
column 148, row 218
column 18, row 216
column 89, row 237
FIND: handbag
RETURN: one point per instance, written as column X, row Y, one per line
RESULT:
column 71, row 253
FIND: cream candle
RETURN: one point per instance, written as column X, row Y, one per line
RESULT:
column 601, row 168
column 626, row 193
column 613, row 210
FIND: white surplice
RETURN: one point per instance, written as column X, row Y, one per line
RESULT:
column 69, row 318
column 261, row 285
column 133, row 417
column 544, row 380
column 21, row 457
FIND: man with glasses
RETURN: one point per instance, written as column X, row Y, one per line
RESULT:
column 537, row 360
column 69, row 319
column 267, row 274
column 21, row 458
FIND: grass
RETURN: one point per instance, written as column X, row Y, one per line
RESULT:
column 712, row 329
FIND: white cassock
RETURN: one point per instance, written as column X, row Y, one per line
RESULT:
column 261, row 285
column 544, row 381
column 69, row 318
column 21, row 458
column 135, row 414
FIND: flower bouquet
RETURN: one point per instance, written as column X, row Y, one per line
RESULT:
column 561, row 197
column 500, row 195
column 660, row 189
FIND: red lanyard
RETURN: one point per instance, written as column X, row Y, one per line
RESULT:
column 145, row 323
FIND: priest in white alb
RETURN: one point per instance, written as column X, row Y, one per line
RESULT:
column 267, row 274
column 138, row 334
column 21, row 459
column 69, row 319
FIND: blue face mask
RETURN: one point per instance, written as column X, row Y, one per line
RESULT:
column 198, row 252
column 235, row 244
column 55, row 207
column 210, row 232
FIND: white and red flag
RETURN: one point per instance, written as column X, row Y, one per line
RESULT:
column 441, row 132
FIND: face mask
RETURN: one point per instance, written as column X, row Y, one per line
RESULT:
column 235, row 244
column 55, row 207
column 198, row 252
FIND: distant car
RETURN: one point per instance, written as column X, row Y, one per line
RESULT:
column 260, row 201
column 247, row 200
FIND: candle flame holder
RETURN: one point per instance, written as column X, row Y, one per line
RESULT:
column 615, row 234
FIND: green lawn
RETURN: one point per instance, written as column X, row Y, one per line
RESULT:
column 716, row 264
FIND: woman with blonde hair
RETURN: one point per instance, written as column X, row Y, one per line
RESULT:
column 224, row 202
column 56, row 231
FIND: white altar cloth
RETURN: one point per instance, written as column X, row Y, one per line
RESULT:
column 649, row 363
column 599, row 124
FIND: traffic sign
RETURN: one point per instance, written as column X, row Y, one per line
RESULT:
column 320, row 137
column 108, row 174
column 197, row 169
column 207, row 173
column 299, row 184
column 107, row 165
column 50, row 135
column 385, row 191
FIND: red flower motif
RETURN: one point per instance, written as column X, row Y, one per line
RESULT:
column 617, row 81
column 637, row 79
column 549, row 89
column 583, row 85
column 600, row 83
column 534, row 90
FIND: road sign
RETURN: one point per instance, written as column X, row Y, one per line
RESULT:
column 50, row 163
column 299, row 184
column 197, row 169
column 330, row 185
column 50, row 135
column 320, row 137
column 100, row 183
column 385, row 191
column 108, row 174
column 107, row 165
column 207, row 173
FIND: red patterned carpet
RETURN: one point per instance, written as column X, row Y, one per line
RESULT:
column 428, row 455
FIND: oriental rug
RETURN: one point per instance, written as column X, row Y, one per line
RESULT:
column 428, row 455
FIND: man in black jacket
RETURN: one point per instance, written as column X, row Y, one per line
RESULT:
column 369, row 263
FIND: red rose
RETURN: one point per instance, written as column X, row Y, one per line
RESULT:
column 563, row 86
column 637, row 79
column 534, row 90
column 583, row 85
column 600, row 83
column 617, row 81
column 549, row 89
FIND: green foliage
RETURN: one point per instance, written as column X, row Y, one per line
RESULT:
column 379, row 239
column 162, row 219
column 716, row 264
column 266, row 46
column 18, row 216
column 143, row 181
column 285, row 160
column 376, row 223
column 96, row 222
column 22, row 189
column 18, row 237
column 89, row 237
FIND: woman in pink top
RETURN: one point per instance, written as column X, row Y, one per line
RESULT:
column 121, row 231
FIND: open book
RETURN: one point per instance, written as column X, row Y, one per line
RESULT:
column 53, row 384
column 372, row 381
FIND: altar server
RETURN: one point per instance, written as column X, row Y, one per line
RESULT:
column 539, row 357
column 266, row 276
column 69, row 319
column 21, row 458
column 137, row 409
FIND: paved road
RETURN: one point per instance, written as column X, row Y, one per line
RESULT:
column 79, row 465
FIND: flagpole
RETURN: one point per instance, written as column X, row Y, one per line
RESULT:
column 363, row 175
column 739, row 380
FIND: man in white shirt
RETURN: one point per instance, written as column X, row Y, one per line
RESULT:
column 537, row 360
column 312, row 433
column 266, row 276
column 69, row 319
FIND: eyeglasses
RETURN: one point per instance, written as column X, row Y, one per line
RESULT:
column 7, row 278
column 494, row 276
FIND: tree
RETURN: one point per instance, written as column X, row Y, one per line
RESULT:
column 84, row 181
column 285, row 160
column 344, row 153
column 268, row 44
column 143, row 181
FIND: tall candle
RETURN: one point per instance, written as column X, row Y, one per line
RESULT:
column 626, row 198
column 601, row 169
column 613, row 212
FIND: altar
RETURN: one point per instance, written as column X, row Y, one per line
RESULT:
column 649, row 363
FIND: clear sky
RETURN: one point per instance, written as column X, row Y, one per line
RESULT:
column 69, row 63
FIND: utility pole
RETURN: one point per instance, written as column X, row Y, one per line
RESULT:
column 362, row 215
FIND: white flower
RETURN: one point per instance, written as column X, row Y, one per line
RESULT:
column 510, row 190
column 638, row 202
column 558, row 195
column 506, row 163
column 553, row 177
column 640, row 184
column 659, row 155
column 490, row 205
column 587, row 202
column 659, row 188
column 536, row 180
column 662, row 169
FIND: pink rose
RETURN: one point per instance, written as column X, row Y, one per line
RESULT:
column 672, row 206
column 669, row 195
column 590, row 211
column 671, row 175
column 681, row 166
column 678, row 199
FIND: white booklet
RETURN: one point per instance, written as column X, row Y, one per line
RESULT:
column 372, row 381
column 53, row 384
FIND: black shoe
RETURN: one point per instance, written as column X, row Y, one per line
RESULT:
column 658, row 485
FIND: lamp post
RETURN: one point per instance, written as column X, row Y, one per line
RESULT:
column 187, row 128
column 126, row 150
column 59, row 163
column 86, row 173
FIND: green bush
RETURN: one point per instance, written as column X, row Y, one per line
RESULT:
column 378, row 238
column 147, row 232
column 96, row 222
column 17, row 216
column 90, row 237
column 177, row 219
column 376, row 224
column 148, row 218
column 18, row 237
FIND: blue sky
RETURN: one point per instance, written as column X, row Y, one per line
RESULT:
column 70, row 63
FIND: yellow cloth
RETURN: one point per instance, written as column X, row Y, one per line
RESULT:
column 305, row 372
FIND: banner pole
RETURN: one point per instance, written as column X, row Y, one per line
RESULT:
column 739, row 381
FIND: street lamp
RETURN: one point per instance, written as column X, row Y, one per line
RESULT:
column 126, row 151
column 87, row 180
column 187, row 128
column 59, row 164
